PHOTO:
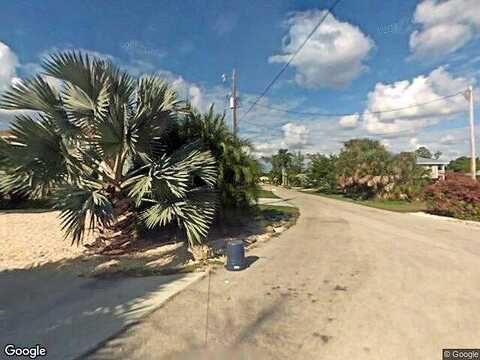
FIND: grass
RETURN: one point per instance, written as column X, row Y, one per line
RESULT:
column 278, row 210
column 401, row 206
column 267, row 194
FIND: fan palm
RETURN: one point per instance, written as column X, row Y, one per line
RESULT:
column 97, row 144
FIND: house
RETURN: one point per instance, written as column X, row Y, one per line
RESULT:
column 435, row 166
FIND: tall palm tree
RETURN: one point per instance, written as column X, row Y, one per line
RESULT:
column 97, row 143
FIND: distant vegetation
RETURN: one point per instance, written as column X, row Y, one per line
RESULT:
column 363, row 169
column 462, row 164
column 365, row 172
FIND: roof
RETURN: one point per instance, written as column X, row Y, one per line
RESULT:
column 426, row 161
column 5, row 133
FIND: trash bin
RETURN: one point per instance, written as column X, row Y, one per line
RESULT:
column 235, row 255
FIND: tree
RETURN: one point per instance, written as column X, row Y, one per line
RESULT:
column 409, row 178
column 99, row 145
column 461, row 164
column 366, row 169
column 321, row 172
column 295, row 172
column 424, row 152
column 281, row 162
column 238, row 170
column 363, row 168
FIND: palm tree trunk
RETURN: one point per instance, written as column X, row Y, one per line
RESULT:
column 121, row 232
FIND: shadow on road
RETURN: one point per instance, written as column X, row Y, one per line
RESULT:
column 68, row 314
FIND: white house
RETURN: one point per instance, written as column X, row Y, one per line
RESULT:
column 435, row 166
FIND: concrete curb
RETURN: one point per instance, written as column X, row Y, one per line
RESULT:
column 445, row 218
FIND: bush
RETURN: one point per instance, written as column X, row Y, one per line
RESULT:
column 238, row 170
column 458, row 196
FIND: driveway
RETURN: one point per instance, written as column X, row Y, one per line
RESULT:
column 347, row 282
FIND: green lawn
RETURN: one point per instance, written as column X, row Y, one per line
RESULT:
column 391, row 205
column 267, row 194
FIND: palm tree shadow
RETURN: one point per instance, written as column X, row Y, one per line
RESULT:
column 68, row 314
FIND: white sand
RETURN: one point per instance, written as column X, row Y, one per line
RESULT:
column 31, row 239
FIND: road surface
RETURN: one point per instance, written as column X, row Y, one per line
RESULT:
column 347, row 282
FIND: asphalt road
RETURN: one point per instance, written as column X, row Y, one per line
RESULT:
column 347, row 282
column 69, row 315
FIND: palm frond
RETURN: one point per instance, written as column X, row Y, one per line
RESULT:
column 82, row 208
column 168, row 189
column 33, row 155
column 194, row 214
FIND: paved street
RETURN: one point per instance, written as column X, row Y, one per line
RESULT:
column 347, row 282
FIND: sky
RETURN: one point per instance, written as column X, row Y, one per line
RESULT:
column 367, row 56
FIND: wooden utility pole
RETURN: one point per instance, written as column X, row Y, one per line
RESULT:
column 473, row 158
column 234, row 102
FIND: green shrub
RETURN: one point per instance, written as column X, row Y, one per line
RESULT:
column 238, row 170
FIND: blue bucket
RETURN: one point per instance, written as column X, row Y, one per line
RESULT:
column 235, row 255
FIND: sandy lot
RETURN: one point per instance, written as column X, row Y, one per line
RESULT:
column 32, row 239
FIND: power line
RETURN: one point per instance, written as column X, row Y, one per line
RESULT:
column 349, row 114
column 282, row 70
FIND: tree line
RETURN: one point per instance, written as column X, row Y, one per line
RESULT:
column 363, row 168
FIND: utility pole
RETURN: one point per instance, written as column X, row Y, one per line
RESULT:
column 473, row 158
column 234, row 102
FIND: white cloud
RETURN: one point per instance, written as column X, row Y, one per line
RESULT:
column 452, row 143
column 446, row 26
column 334, row 55
column 295, row 136
column 414, row 143
column 8, row 64
column 448, row 139
column 421, row 89
column 199, row 96
column 349, row 121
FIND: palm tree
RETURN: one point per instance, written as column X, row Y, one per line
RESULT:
column 97, row 143
column 281, row 163
column 238, row 170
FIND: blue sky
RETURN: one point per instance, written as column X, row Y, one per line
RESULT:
column 369, row 55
